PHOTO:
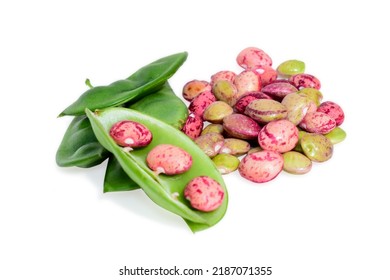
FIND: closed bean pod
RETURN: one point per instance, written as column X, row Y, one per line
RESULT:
column 143, row 82
column 79, row 146
column 159, row 105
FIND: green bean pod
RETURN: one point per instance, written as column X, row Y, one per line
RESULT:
column 163, row 105
column 166, row 191
column 79, row 146
column 144, row 81
column 116, row 179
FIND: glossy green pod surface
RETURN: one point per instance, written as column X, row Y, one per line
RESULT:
column 166, row 191
column 116, row 179
column 79, row 146
column 163, row 105
column 148, row 78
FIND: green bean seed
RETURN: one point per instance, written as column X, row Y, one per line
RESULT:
column 336, row 135
column 291, row 67
column 296, row 163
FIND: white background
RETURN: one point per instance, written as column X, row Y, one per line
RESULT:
column 56, row 223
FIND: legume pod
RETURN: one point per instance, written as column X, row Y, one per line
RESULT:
column 116, row 179
column 163, row 105
column 148, row 78
column 161, row 189
column 79, row 146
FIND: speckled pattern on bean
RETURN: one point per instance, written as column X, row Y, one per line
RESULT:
column 130, row 134
column 204, row 193
column 279, row 136
column 168, row 159
column 260, row 167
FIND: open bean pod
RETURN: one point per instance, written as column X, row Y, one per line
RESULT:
column 166, row 191
column 158, row 105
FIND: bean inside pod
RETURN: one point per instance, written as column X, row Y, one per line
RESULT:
column 166, row 191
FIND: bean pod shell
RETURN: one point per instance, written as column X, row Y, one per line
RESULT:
column 165, row 191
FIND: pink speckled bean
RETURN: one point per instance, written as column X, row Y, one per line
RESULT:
column 317, row 122
column 193, row 126
column 279, row 136
column 305, row 81
column 130, row 134
column 193, row 88
column 201, row 102
column 225, row 75
column 267, row 74
column 333, row 110
column 247, row 81
column 168, row 159
column 261, row 167
column 253, row 58
column 247, row 98
column 204, row 193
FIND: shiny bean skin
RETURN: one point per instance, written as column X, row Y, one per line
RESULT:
column 253, row 58
column 279, row 136
column 305, row 81
column 333, row 110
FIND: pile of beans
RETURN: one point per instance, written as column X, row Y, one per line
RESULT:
column 264, row 119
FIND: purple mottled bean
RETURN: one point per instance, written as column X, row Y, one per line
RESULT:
column 253, row 58
column 305, row 81
column 333, row 110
